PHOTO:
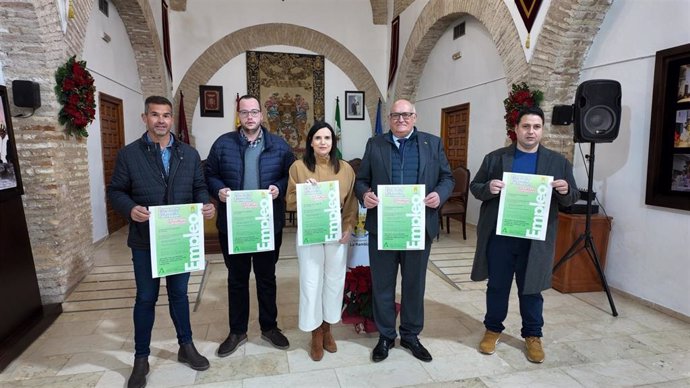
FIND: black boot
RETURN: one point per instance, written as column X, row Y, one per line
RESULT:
column 139, row 372
column 190, row 356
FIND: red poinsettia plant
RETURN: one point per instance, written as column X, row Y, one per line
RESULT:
column 519, row 98
column 75, row 91
column 357, row 300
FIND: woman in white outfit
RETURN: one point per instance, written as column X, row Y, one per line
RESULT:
column 322, row 266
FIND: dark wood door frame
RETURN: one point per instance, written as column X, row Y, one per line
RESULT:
column 109, row 146
column 457, row 153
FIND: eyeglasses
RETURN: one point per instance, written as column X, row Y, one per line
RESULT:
column 246, row 113
column 404, row 115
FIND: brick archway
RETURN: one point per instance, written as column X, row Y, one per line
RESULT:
column 435, row 19
column 55, row 166
column 148, row 53
column 556, row 61
column 235, row 43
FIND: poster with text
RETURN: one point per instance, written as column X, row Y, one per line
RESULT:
column 318, row 213
column 250, row 221
column 523, row 210
column 177, row 239
column 401, row 217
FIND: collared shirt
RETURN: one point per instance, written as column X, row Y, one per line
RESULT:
column 395, row 138
column 256, row 141
column 165, row 153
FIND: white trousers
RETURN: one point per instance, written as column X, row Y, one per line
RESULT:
column 321, row 283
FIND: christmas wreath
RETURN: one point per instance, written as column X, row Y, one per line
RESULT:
column 519, row 98
column 75, row 91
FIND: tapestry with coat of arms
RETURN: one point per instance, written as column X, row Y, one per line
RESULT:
column 290, row 88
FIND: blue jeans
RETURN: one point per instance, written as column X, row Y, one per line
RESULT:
column 145, row 304
column 507, row 257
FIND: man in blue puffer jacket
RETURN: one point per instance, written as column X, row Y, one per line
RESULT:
column 157, row 169
column 250, row 158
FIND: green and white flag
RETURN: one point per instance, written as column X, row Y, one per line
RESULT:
column 401, row 217
column 337, row 128
column 250, row 221
column 523, row 209
column 176, row 234
column 318, row 213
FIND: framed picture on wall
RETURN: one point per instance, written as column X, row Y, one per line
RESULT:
column 211, row 100
column 668, row 167
column 354, row 105
column 10, row 176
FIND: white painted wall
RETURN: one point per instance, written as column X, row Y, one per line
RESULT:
column 233, row 78
column 115, row 73
column 648, row 253
column 477, row 78
column 348, row 22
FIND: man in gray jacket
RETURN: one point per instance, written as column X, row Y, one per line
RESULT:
column 157, row 169
column 404, row 155
column 499, row 258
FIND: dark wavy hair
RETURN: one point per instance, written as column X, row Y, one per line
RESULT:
column 532, row 110
column 309, row 158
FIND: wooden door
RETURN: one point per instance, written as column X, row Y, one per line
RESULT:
column 455, row 127
column 112, row 139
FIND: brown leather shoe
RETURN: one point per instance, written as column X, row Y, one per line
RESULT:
column 328, row 341
column 535, row 352
column 316, row 351
column 488, row 343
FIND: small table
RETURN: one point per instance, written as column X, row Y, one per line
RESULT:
column 579, row 274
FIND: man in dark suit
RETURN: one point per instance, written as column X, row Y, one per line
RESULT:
column 403, row 155
column 500, row 258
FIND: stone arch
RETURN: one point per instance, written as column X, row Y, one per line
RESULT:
column 436, row 17
column 54, row 166
column 148, row 52
column 556, row 62
column 558, row 58
column 237, row 42
column 379, row 10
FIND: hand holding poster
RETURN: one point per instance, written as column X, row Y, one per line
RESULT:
column 177, row 239
column 401, row 217
column 523, row 210
column 318, row 213
column 250, row 221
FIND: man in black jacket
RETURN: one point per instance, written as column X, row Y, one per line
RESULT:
column 157, row 169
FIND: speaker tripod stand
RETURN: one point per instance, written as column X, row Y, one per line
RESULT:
column 585, row 241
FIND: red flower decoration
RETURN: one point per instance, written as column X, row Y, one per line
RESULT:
column 357, row 297
column 75, row 91
column 520, row 97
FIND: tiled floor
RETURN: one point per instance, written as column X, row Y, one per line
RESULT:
column 90, row 345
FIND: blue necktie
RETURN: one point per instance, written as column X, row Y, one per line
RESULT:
column 402, row 157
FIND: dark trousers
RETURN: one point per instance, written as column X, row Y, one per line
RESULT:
column 384, row 273
column 239, row 268
column 507, row 256
column 145, row 304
